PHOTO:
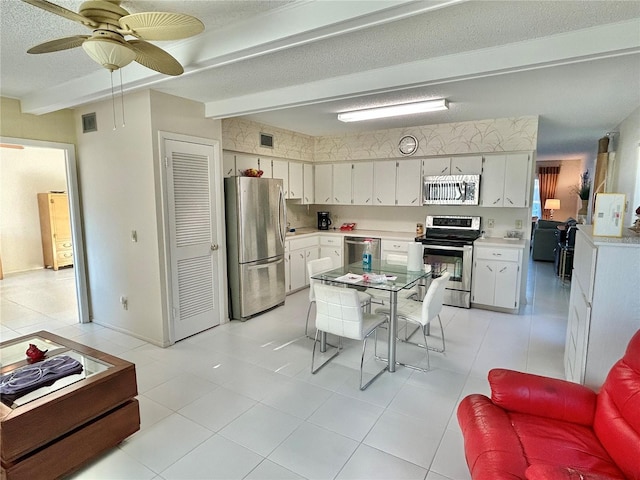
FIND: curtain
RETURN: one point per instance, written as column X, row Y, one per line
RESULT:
column 547, row 179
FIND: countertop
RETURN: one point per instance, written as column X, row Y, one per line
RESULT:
column 386, row 235
column 499, row 242
column 628, row 239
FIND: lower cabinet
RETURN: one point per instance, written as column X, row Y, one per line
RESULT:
column 399, row 247
column 496, row 276
column 332, row 246
column 299, row 252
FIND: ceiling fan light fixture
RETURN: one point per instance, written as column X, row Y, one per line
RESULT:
column 111, row 54
column 394, row 110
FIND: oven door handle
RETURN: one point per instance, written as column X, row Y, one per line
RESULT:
column 448, row 247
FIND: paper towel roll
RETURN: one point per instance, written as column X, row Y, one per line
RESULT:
column 414, row 257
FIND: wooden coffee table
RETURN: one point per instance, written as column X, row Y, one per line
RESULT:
column 56, row 429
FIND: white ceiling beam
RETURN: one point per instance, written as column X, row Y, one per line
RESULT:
column 577, row 46
column 296, row 24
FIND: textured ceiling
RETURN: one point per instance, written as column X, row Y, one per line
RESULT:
column 296, row 64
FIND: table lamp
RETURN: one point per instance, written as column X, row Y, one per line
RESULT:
column 551, row 204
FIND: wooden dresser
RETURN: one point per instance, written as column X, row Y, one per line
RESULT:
column 55, row 229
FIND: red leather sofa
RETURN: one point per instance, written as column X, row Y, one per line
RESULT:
column 537, row 427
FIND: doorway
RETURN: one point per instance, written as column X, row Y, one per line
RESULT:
column 68, row 150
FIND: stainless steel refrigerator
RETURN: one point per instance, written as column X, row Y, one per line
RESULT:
column 256, row 226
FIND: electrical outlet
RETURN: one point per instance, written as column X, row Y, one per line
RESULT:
column 490, row 223
column 518, row 224
column 124, row 301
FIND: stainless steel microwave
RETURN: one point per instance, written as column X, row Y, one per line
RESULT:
column 451, row 190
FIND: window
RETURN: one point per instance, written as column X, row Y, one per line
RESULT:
column 536, row 208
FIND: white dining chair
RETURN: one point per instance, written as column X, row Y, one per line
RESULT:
column 421, row 313
column 320, row 265
column 338, row 312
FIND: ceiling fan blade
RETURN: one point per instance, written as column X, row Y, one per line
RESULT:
column 63, row 12
column 155, row 58
column 160, row 25
column 59, row 44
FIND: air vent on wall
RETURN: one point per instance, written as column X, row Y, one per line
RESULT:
column 266, row 140
column 89, row 123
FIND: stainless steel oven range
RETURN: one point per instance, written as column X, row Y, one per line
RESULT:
column 448, row 245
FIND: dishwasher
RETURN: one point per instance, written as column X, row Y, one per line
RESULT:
column 354, row 248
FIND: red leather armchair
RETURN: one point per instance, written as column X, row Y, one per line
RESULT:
column 537, row 427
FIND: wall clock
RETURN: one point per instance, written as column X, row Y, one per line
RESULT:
column 408, row 145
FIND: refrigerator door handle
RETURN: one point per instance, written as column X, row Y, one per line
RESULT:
column 282, row 208
column 265, row 265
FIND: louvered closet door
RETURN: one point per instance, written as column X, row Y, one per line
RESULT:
column 194, row 239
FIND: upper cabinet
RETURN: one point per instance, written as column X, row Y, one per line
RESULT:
column 296, row 180
column 362, row 177
column 323, row 182
column 471, row 165
column 408, row 183
column 397, row 182
column 506, row 180
column 308, row 184
column 384, row 182
column 280, row 169
column 234, row 164
column 342, row 190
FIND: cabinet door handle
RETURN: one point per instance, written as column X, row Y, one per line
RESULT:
column 214, row 247
column 503, row 269
column 489, row 268
column 496, row 254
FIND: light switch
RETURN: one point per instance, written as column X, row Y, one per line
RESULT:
column 134, row 235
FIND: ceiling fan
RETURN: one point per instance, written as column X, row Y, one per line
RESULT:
column 111, row 23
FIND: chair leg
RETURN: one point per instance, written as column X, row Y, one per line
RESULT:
column 306, row 325
column 313, row 352
column 364, row 347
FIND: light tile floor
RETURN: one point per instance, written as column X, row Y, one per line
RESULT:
column 234, row 403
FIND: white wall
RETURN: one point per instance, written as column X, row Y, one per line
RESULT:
column 121, row 192
column 628, row 163
column 23, row 174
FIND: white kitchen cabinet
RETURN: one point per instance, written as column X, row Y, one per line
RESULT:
column 362, row 176
column 332, row 246
column 471, row 165
column 496, row 275
column 228, row 164
column 244, row 162
column 323, row 183
column 398, row 247
column 506, row 180
column 280, row 169
column 384, row 185
column 296, row 180
column 308, row 196
column 300, row 251
column 408, row 183
column 342, row 184
column 604, row 304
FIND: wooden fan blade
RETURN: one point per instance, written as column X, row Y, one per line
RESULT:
column 59, row 44
column 155, row 58
column 63, row 12
column 160, row 25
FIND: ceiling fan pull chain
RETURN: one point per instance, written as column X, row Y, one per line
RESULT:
column 113, row 102
column 121, row 96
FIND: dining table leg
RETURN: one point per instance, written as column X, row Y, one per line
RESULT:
column 393, row 330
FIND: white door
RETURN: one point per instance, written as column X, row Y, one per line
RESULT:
column 409, row 183
column 194, row 261
column 363, row 183
column 342, row 183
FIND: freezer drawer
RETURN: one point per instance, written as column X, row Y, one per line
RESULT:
column 262, row 286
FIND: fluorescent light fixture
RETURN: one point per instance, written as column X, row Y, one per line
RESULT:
column 394, row 110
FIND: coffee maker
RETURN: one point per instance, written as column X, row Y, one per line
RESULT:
column 323, row 221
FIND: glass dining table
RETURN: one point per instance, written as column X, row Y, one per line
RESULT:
column 382, row 276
